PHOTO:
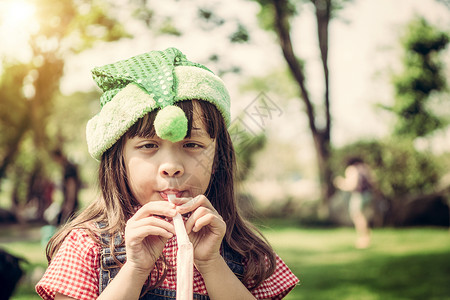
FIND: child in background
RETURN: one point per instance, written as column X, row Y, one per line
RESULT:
column 162, row 130
column 358, row 181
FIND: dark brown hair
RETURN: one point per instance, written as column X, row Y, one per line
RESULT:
column 117, row 203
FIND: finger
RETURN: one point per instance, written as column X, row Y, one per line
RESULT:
column 195, row 203
column 214, row 222
column 151, row 221
column 197, row 214
column 137, row 235
column 163, row 208
column 189, row 224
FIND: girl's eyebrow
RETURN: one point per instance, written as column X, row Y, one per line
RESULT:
column 199, row 132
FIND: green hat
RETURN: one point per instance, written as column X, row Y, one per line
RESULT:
column 155, row 80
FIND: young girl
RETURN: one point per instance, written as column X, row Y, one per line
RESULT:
column 162, row 130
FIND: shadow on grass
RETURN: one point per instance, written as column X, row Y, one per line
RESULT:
column 418, row 276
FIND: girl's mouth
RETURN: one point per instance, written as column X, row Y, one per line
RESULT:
column 178, row 194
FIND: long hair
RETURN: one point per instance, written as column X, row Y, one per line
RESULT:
column 117, row 203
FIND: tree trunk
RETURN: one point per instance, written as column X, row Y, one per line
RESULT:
column 323, row 15
column 322, row 146
column 13, row 146
column 321, row 137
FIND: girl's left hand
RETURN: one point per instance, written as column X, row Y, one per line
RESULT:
column 205, row 228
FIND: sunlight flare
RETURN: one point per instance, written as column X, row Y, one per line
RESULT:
column 16, row 13
column 17, row 23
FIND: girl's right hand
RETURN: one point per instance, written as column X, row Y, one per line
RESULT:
column 146, row 234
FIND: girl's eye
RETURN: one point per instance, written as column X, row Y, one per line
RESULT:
column 193, row 145
column 149, row 146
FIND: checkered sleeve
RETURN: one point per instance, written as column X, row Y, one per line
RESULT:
column 278, row 285
column 74, row 269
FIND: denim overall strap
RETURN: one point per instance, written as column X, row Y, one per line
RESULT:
column 234, row 260
column 109, row 268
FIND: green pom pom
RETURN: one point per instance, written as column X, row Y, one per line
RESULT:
column 171, row 123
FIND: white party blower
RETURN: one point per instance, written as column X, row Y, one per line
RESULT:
column 185, row 258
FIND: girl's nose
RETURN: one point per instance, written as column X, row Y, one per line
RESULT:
column 171, row 169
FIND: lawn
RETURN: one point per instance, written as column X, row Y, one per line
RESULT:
column 411, row 263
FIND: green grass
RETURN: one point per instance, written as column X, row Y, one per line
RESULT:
column 401, row 264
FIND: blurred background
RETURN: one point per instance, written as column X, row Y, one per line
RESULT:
column 313, row 84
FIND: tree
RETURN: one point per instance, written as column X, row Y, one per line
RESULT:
column 206, row 18
column 409, row 179
column 28, row 88
column 276, row 16
column 282, row 12
column 422, row 76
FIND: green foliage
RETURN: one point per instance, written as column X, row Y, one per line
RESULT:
column 241, row 35
column 277, row 81
column 422, row 38
column 293, row 8
column 167, row 27
column 266, row 15
column 144, row 14
column 277, row 16
column 28, row 90
column 246, row 145
column 97, row 25
column 77, row 108
column 399, row 169
column 12, row 105
column 422, row 76
column 445, row 2
column 209, row 16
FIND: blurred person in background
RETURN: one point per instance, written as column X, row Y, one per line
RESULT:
column 358, row 181
column 70, row 186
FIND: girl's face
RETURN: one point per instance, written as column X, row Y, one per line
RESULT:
column 157, row 167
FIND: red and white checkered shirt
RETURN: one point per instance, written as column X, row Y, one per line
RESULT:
column 74, row 272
